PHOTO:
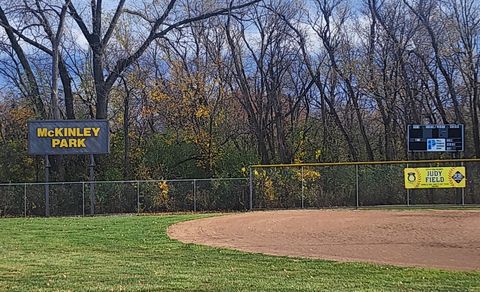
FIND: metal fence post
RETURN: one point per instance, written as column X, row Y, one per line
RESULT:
column 356, row 186
column 138, row 197
column 463, row 189
column 83, row 198
column 194, row 195
column 251, row 187
column 303, row 190
column 25, row 199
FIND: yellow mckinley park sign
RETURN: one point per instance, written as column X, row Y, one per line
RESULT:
column 435, row 177
column 68, row 137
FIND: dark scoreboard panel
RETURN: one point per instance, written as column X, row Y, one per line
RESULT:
column 436, row 138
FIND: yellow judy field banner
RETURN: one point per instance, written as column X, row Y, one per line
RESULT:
column 435, row 177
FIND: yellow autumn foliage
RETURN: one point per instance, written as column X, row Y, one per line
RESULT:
column 162, row 198
column 269, row 189
column 202, row 112
column 308, row 175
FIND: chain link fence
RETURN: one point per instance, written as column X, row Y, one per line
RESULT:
column 115, row 197
column 268, row 187
column 354, row 185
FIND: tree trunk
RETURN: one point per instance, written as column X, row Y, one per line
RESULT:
column 67, row 89
column 126, row 125
column 100, row 86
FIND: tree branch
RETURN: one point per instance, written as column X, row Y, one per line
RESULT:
column 78, row 19
column 124, row 63
column 113, row 23
column 27, row 39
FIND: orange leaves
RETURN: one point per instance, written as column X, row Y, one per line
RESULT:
column 13, row 118
column 19, row 114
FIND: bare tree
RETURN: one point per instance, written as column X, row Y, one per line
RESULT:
column 98, row 40
column 44, row 14
column 262, row 63
column 325, row 87
column 31, row 82
column 466, row 17
column 423, row 10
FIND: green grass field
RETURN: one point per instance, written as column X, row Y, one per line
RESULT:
column 133, row 253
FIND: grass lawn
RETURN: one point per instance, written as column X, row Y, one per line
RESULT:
column 133, row 253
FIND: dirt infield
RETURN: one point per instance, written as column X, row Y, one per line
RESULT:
column 440, row 239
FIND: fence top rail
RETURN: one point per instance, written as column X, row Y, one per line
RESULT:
column 125, row 181
column 366, row 163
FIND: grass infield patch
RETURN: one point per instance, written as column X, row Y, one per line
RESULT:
column 134, row 253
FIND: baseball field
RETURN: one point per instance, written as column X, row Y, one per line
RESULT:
column 135, row 253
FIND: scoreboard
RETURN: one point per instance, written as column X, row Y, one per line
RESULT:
column 436, row 138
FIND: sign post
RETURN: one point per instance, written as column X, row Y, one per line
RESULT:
column 91, row 167
column 62, row 137
column 47, row 186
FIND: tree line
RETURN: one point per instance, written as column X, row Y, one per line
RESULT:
column 205, row 88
